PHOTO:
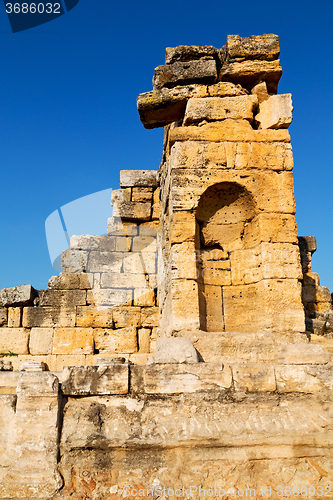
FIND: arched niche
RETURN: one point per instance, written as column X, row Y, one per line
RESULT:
column 224, row 214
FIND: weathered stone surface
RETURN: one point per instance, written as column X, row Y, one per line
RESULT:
column 176, row 379
column 40, row 341
column 14, row 339
column 47, row 317
column 142, row 194
column 143, row 262
column 260, row 90
column 183, row 259
column 312, row 293
column 174, row 350
column 183, row 227
column 183, row 73
column 254, row 377
column 190, row 53
column 71, row 281
column 303, row 354
column 94, row 316
column 220, row 108
column 163, row 106
column 95, row 380
column 144, row 297
column 73, row 341
column 275, row 112
column 124, row 316
column 120, row 195
column 144, row 340
column 117, row 227
column 123, row 340
column 307, row 243
column 211, row 308
column 144, row 244
column 105, row 261
column 14, row 317
column 123, row 280
column 3, row 316
column 265, row 47
column 62, row 298
column 109, row 297
column 74, row 261
column 227, row 130
column 132, row 210
column 249, row 73
column 291, row 378
column 227, row 155
column 149, row 316
column 138, row 178
column 16, row 296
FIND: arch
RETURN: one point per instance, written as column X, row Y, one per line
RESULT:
column 224, row 213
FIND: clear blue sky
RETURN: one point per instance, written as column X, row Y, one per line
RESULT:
column 69, row 122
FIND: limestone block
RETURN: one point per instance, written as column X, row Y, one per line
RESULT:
column 144, row 244
column 303, row 354
column 47, row 317
column 307, row 244
column 144, row 340
column 272, row 156
column 138, row 178
column 183, row 259
column 123, row 280
column 254, row 377
column 132, row 210
column 260, row 90
column 88, row 242
column 123, row 340
column 312, row 293
column 174, row 350
column 3, row 316
column 120, row 195
column 311, row 279
column 185, row 307
column 117, row 227
column 211, row 308
column 142, row 194
column 155, row 214
column 14, row 317
column 280, row 260
column 144, row 298
column 227, row 130
column 40, row 341
column 186, row 378
column 74, row 261
column 94, row 316
column 149, row 316
column 71, row 281
column 246, row 266
column 189, row 53
column 138, row 358
column 249, row 73
column 73, row 341
column 7, row 421
column 140, row 263
column 291, row 378
column 183, row 227
column 62, row 298
column 123, row 243
column 17, row 296
column 163, row 106
column 105, row 261
column 15, row 340
column 220, row 108
column 273, row 191
column 126, row 316
column 275, row 112
column 109, row 297
column 224, row 89
column 95, row 380
column 183, row 73
column 272, row 228
column 265, row 47
column 284, row 312
column 149, row 228
column 218, row 275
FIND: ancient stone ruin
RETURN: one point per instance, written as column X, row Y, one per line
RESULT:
column 188, row 352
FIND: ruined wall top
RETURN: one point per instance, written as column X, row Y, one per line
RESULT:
column 205, row 71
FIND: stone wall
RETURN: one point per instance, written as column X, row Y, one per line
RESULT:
column 170, row 358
